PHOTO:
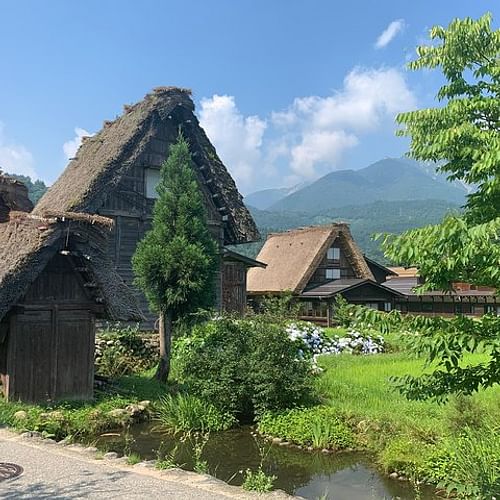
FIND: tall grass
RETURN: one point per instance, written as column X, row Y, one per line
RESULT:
column 411, row 437
column 185, row 413
column 475, row 465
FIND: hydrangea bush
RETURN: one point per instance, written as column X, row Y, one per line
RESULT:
column 317, row 342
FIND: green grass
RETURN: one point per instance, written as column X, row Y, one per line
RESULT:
column 405, row 435
column 82, row 420
column 414, row 438
column 360, row 386
column 186, row 413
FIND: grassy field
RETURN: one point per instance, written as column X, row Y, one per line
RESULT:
column 360, row 386
column 406, row 436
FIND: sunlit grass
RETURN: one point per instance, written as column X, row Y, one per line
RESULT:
column 360, row 386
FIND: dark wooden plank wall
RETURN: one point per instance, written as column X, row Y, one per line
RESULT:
column 234, row 287
column 132, row 212
column 49, row 348
column 346, row 270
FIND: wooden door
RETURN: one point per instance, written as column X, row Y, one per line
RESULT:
column 30, row 356
column 74, row 361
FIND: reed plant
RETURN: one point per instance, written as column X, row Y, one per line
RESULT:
column 186, row 413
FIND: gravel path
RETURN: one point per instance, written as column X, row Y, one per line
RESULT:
column 66, row 472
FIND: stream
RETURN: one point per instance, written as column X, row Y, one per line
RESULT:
column 312, row 475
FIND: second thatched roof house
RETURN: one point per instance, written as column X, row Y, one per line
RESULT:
column 55, row 280
column 115, row 173
column 316, row 264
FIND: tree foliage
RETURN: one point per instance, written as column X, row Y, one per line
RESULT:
column 176, row 261
column 461, row 134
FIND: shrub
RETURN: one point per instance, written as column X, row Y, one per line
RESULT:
column 463, row 412
column 319, row 427
column 184, row 413
column 123, row 351
column 258, row 481
column 243, row 367
column 279, row 379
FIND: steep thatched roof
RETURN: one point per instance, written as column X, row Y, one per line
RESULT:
column 104, row 158
column 293, row 256
column 28, row 242
column 13, row 196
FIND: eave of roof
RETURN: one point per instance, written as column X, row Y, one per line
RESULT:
column 332, row 288
column 380, row 266
column 237, row 257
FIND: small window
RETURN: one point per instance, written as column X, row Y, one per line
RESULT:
column 372, row 305
column 428, row 307
column 491, row 309
column 333, row 274
column 387, row 306
column 151, row 180
column 333, row 253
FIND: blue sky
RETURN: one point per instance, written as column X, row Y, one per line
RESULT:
column 286, row 89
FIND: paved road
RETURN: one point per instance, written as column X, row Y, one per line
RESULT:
column 56, row 472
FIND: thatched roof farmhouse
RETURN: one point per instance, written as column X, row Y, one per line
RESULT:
column 115, row 173
column 319, row 263
column 316, row 264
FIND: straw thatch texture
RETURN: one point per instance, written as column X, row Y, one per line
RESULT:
column 13, row 196
column 293, row 256
column 28, row 243
column 106, row 157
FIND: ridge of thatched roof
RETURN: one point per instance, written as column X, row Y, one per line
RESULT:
column 28, row 242
column 293, row 256
column 104, row 158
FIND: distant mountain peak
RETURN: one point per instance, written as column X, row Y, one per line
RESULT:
column 390, row 179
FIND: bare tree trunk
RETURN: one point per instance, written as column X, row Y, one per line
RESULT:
column 165, row 331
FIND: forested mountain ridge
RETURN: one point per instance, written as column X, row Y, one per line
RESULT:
column 364, row 221
column 391, row 179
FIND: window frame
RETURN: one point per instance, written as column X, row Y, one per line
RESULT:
column 333, row 270
column 330, row 253
column 147, row 185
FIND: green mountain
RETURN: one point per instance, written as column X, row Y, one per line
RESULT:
column 364, row 221
column 388, row 180
column 267, row 197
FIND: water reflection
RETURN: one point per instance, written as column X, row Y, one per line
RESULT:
column 344, row 476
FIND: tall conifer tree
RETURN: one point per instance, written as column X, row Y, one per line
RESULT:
column 175, row 263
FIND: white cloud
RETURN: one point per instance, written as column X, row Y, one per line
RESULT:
column 238, row 138
column 311, row 136
column 321, row 129
column 319, row 146
column 15, row 158
column 389, row 33
column 71, row 147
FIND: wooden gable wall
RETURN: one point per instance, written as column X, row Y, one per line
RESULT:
column 131, row 210
column 346, row 269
